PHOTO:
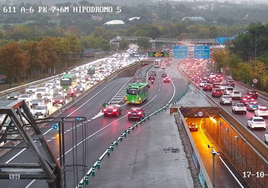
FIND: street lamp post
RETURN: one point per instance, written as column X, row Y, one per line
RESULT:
column 214, row 153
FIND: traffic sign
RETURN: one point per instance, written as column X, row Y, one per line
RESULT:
column 158, row 54
column 255, row 80
column 200, row 113
column 180, row 52
column 55, row 127
column 221, row 40
column 201, row 52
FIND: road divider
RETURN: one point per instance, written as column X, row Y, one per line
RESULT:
column 108, row 152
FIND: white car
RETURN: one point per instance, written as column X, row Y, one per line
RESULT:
column 266, row 137
column 236, row 95
column 239, row 107
column 229, row 90
column 222, row 86
column 202, row 83
column 226, row 99
column 41, row 110
column 26, row 97
column 40, row 91
column 256, row 122
column 262, row 111
column 31, row 89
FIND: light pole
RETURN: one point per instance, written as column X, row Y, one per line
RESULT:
column 214, row 153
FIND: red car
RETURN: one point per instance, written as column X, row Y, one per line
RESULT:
column 59, row 99
column 207, row 87
column 136, row 113
column 166, row 79
column 71, row 92
column 246, row 99
column 193, row 127
column 217, row 92
column 254, row 94
column 112, row 110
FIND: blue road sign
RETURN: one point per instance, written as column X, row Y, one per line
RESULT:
column 201, row 52
column 78, row 119
column 221, row 40
column 55, row 127
column 180, row 52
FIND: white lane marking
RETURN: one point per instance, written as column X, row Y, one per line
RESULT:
column 98, row 115
column 30, row 184
column 174, row 91
column 15, row 156
column 67, row 116
column 231, row 172
column 119, row 90
column 159, row 89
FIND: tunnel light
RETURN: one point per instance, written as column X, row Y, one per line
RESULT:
column 212, row 119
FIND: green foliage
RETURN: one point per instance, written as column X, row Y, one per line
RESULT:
column 143, row 42
column 123, row 44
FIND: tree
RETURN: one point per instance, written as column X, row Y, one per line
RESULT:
column 144, row 42
column 13, row 61
column 221, row 59
column 123, row 44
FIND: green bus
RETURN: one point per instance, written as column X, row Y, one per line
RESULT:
column 67, row 81
column 136, row 93
column 91, row 70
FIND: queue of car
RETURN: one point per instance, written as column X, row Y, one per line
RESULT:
column 41, row 98
column 227, row 93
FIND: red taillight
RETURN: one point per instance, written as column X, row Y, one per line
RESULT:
column 104, row 109
column 252, row 99
column 244, row 99
column 114, row 110
column 129, row 112
column 139, row 113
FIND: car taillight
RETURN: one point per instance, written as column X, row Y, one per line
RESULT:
column 114, row 110
column 252, row 99
column 104, row 109
column 61, row 100
column 244, row 99
column 129, row 112
column 139, row 113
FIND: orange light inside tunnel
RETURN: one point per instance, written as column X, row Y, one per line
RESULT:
column 212, row 119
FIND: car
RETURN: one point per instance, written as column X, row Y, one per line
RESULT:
column 230, row 83
column 152, row 73
column 136, row 113
column 228, row 90
column 207, row 87
column 26, row 97
column 202, row 83
column 236, row 95
column 216, row 84
column 164, row 75
column 239, row 107
column 266, row 137
column 13, row 96
column 252, row 106
column 262, row 111
column 193, row 126
column 256, row 122
column 111, row 110
column 41, row 110
column 217, row 92
column 79, row 88
column 246, row 99
column 71, row 92
column 223, row 86
column 57, row 91
column 59, row 99
column 31, row 89
column 253, row 93
column 226, row 99
column 40, row 91
column 47, row 97
column 166, row 80
column 36, row 102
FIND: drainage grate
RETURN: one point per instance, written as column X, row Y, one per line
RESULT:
column 171, row 150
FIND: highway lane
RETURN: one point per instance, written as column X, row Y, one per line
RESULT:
column 99, row 142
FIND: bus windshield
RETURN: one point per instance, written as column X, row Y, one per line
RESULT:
column 65, row 81
column 132, row 91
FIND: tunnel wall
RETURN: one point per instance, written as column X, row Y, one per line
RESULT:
column 238, row 151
